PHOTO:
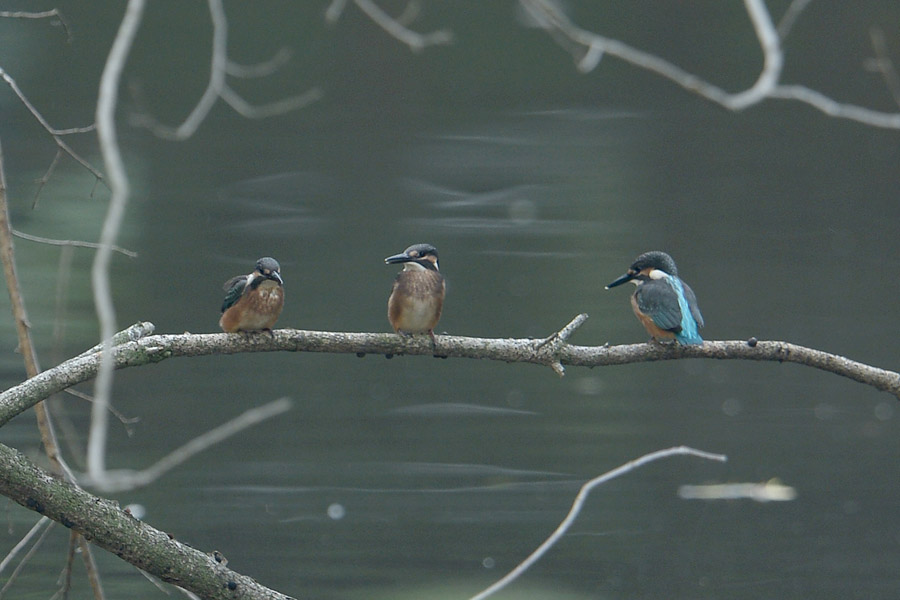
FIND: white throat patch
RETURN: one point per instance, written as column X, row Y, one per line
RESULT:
column 414, row 266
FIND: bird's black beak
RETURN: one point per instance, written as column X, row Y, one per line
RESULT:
column 623, row 279
column 277, row 277
column 398, row 258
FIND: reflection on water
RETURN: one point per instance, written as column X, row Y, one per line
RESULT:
column 457, row 409
column 282, row 205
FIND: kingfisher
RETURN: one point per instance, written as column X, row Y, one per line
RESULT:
column 664, row 304
column 253, row 302
column 418, row 293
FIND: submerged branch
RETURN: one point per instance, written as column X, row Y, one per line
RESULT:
column 137, row 349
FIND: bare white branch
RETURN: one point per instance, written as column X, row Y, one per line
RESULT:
column 790, row 17
column 279, row 107
column 588, row 47
column 263, row 69
column 579, row 503
column 217, row 86
column 124, row 480
column 31, row 551
column 75, row 243
column 35, row 529
column 883, row 64
column 119, row 186
column 46, row 14
column 394, row 27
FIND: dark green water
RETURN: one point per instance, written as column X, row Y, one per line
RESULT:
column 539, row 186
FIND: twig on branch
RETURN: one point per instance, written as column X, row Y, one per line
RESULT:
column 579, row 503
column 556, row 341
column 156, row 348
column 108, row 526
column 590, row 47
column 396, row 28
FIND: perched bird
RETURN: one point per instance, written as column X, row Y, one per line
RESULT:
column 253, row 302
column 418, row 293
column 664, row 304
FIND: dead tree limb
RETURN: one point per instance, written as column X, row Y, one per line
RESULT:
column 135, row 347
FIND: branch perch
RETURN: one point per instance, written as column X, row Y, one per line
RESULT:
column 554, row 352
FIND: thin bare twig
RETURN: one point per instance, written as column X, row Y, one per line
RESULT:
column 31, row 551
column 46, row 177
column 261, row 111
column 883, row 63
column 56, row 134
column 263, row 69
column 47, row 14
column 29, row 354
column 217, row 86
column 790, row 17
column 127, row 479
column 40, row 524
column 395, row 27
column 75, row 243
column 579, row 503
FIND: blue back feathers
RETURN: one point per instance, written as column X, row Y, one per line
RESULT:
column 689, row 333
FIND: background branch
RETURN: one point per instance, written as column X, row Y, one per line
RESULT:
column 578, row 504
column 588, row 48
column 396, row 28
column 217, row 86
column 119, row 187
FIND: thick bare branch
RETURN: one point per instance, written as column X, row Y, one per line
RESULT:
column 107, row 525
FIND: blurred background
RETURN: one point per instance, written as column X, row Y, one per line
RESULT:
column 539, row 185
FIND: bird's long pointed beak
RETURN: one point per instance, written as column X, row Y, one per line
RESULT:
column 277, row 277
column 623, row 279
column 397, row 258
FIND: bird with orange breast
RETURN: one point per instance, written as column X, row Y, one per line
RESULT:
column 253, row 302
column 417, row 297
